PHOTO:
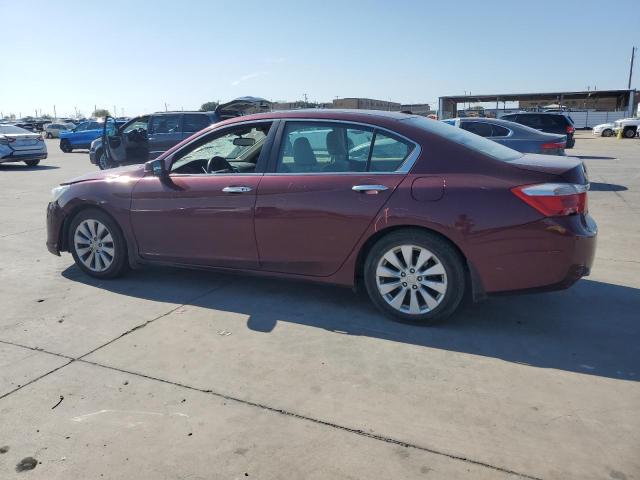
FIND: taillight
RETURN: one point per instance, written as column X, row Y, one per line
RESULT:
column 570, row 129
column 554, row 199
column 553, row 145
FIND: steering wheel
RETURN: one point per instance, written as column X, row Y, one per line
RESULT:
column 219, row 165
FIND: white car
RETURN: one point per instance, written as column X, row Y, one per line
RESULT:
column 20, row 145
column 52, row 130
column 603, row 130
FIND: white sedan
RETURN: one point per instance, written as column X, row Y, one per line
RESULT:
column 603, row 130
column 20, row 145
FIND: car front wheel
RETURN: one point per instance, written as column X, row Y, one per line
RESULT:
column 629, row 132
column 607, row 132
column 415, row 276
column 103, row 161
column 97, row 244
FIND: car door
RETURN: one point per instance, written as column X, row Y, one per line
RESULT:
column 326, row 183
column 165, row 130
column 202, row 211
column 126, row 143
column 76, row 137
column 93, row 131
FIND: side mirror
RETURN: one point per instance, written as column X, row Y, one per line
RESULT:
column 156, row 167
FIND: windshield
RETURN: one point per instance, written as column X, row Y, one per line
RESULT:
column 468, row 139
column 9, row 129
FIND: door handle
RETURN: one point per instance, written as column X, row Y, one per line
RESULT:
column 369, row 189
column 236, row 189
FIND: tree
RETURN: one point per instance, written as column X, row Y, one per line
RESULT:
column 208, row 106
column 101, row 112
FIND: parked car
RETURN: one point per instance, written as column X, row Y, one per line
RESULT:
column 52, row 130
column 20, row 145
column 513, row 135
column 449, row 212
column 558, row 123
column 145, row 137
column 603, row 130
column 81, row 136
column 629, row 126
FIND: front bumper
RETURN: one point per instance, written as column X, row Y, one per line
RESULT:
column 55, row 233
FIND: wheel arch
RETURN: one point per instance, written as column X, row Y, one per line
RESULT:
column 66, row 224
column 472, row 277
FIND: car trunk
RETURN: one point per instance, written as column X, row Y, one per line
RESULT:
column 569, row 169
column 552, row 144
column 25, row 142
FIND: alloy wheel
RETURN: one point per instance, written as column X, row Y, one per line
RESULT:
column 94, row 246
column 411, row 279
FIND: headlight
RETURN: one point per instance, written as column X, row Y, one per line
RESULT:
column 58, row 191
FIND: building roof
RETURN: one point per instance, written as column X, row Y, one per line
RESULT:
column 512, row 97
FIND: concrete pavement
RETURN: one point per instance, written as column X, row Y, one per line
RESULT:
column 187, row 374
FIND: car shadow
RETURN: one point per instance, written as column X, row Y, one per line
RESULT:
column 21, row 167
column 606, row 187
column 592, row 328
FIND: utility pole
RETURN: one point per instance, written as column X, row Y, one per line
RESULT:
column 165, row 107
column 633, row 55
column 305, row 99
column 55, row 115
column 115, row 112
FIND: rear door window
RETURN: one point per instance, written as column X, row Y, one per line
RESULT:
column 388, row 153
column 533, row 121
column 479, row 128
column 195, row 122
column 165, row 124
column 498, row 131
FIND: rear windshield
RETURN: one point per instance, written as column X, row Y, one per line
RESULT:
column 468, row 139
column 9, row 129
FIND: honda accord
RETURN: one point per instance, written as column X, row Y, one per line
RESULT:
column 417, row 212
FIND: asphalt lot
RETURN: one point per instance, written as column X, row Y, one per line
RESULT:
column 172, row 374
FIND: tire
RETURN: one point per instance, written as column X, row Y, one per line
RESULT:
column 65, row 146
column 98, row 254
column 607, row 132
column 103, row 161
column 429, row 253
column 49, row 135
column 629, row 132
column 32, row 163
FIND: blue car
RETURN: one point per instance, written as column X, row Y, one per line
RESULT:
column 81, row 136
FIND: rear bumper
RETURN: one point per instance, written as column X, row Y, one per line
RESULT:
column 551, row 254
column 16, row 156
column 55, row 235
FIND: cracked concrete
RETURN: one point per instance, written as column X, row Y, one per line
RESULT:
column 309, row 381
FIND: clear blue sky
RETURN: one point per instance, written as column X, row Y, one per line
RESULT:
column 139, row 54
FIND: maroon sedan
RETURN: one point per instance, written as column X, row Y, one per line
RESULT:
column 417, row 211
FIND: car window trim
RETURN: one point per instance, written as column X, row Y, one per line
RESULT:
column 404, row 168
column 260, row 164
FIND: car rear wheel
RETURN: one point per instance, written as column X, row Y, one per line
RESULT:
column 32, row 163
column 97, row 244
column 415, row 276
column 607, row 132
column 65, row 146
column 49, row 135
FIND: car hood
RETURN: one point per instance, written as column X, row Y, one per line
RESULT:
column 121, row 174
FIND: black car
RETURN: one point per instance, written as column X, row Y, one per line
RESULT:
column 546, row 122
column 146, row 137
